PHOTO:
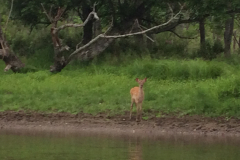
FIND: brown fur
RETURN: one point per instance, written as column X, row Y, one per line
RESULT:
column 137, row 97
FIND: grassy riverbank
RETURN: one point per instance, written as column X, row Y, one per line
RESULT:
column 210, row 88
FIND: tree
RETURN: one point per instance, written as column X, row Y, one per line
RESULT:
column 97, row 44
column 229, row 24
column 218, row 9
column 126, row 16
column 122, row 13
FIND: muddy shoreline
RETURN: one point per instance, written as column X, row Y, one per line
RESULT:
column 120, row 124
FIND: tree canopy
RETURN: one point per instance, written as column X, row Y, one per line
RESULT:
column 124, row 17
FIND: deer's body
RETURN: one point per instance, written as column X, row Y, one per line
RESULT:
column 137, row 97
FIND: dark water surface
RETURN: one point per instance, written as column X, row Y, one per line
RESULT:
column 15, row 145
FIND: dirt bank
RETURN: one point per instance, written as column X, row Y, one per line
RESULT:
column 101, row 123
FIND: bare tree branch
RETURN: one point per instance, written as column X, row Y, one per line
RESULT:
column 171, row 10
column 94, row 14
column 238, row 23
column 235, row 38
column 85, row 46
column 10, row 12
column 94, row 6
column 101, row 41
column 139, row 26
column 47, row 14
column 109, row 28
column 59, row 13
column 50, row 11
column 147, row 30
column 125, row 35
column 60, row 61
column 183, row 37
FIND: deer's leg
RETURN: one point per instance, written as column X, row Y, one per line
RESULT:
column 140, row 111
column 137, row 115
column 131, row 107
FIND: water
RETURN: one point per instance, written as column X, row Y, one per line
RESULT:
column 62, row 146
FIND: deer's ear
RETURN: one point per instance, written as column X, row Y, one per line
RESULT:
column 145, row 79
column 137, row 79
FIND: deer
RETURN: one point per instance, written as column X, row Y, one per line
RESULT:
column 137, row 97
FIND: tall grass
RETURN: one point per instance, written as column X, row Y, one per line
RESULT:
column 166, row 69
column 173, row 86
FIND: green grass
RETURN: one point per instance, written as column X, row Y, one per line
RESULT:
column 210, row 88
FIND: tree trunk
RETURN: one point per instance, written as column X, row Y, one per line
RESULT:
column 88, row 28
column 238, row 45
column 228, row 35
column 202, row 32
column 97, row 28
column 234, row 40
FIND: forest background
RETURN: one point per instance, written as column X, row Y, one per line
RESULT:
column 56, row 56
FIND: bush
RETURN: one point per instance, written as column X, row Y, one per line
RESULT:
column 176, row 69
column 161, row 48
column 210, row 51
column 217, row 47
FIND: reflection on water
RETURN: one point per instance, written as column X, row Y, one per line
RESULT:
column 135, row 150
column 62, row 146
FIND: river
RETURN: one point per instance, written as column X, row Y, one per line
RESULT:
column 30, row 145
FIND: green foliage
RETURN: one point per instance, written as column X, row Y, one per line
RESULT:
column 162, row 47
column 233, row 60
column 217, row 47
column 176, row 69
column 26, row 42
column 206, row 52
column 140, row 46
column 30, row 12
column 210, row 51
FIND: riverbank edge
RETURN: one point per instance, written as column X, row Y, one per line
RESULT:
column 119, row 124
